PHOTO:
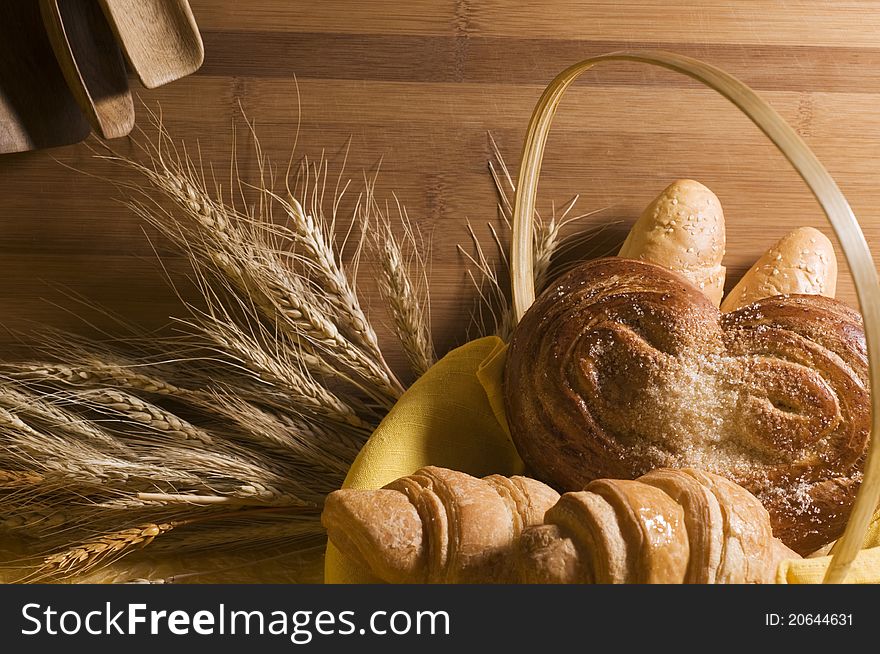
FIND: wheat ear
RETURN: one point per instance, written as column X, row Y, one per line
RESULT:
column 102, row 550
column 403, row 282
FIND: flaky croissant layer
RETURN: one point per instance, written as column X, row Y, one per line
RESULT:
column 437, row 525
column 667, row 527
column 443, row 526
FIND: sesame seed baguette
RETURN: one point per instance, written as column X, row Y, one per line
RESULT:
column 802, row 261
column 683, row 230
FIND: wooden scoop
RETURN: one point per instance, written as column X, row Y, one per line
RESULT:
column 36, row 107
column 91, row 62
column 159, row 37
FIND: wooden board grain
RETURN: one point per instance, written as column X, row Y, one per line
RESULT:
column 420, row 85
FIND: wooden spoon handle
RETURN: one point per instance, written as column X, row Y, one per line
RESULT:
column 91, row 63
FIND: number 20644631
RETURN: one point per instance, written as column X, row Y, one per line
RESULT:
column 808, row 619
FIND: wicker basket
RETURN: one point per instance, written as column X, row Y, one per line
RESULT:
column 832, row 201
column 381, row 461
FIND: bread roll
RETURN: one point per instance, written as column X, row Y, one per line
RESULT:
column 623, row 367
column 802, row 261
column 683, row 230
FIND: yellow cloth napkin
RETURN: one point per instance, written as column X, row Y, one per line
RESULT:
column 445, row 419
column 453, row 417
column 865, row 568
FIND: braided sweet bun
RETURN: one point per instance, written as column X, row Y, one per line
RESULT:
column 622, row 367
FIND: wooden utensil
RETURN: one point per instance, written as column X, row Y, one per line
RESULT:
column 159, row 37
column 36, row 107
column 91, row 62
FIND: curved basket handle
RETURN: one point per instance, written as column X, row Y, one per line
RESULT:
column 829, row 196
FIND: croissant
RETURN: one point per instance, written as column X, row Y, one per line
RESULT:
column 667, row 527
column 437, row 526
column 622, row 367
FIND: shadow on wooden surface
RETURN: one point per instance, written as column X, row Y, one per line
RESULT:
column 36, row 107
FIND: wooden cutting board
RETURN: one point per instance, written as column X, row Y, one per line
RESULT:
column 421, row 84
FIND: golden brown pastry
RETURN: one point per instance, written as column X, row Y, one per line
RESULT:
column 667, row 527
column 624, row 366
column 683, row 229
column 437, row 526
column 802, row 261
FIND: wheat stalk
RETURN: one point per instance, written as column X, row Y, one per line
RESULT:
column 214, row 530
column 492, row 280
column 308, row 237
column 95, row 373
column 327, row 453
column 13, row 479
column 254, row 354
column 407, row 304
column 253, row 254
column 239, row 422
column 122, row 406
column 45, row 517
column 284, row 528
column 102, row 550
column 294, row 563
column 198, row 462
column 39, row 412
column 317, row 413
